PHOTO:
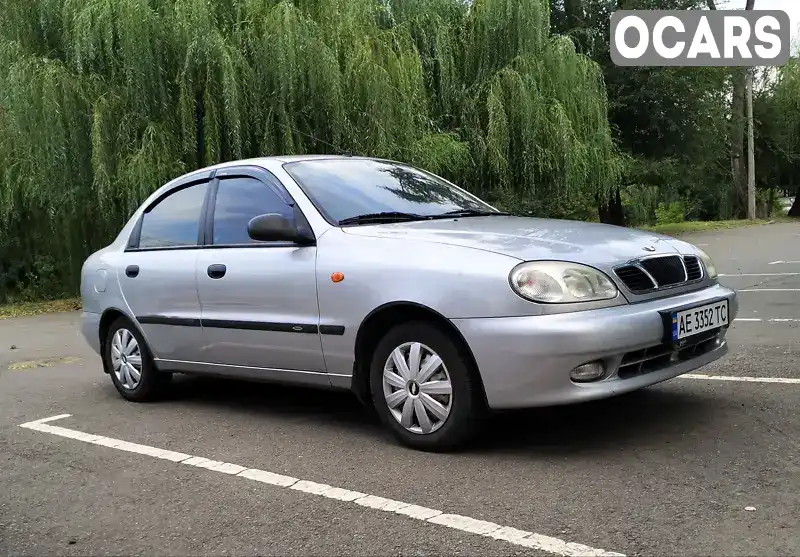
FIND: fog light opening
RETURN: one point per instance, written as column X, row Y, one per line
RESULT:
column 588, row 372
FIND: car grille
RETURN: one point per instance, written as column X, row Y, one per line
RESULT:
column 654, row 273
column 664, row 355
column 693, row 269
column 634, row 278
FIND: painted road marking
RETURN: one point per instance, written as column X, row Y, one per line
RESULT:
column 464, row 523
column 787, row 380
column 783, row 262
column 773, row 320
column 769, row 290
column 758, row 274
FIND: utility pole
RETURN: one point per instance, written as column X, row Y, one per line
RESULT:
column 751, row 157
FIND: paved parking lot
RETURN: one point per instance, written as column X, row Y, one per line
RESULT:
column 700, row 465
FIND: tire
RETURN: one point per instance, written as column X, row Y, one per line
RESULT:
column 465, row 404
column 151, row 383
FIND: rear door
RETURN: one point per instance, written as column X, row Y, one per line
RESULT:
column 259, row 299
column 158, row 275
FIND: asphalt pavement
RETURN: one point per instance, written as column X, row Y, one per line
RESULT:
column 701, row 465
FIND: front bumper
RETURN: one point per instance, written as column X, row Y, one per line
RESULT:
column 526, row 361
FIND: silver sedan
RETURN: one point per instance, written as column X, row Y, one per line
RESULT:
column 386, row 280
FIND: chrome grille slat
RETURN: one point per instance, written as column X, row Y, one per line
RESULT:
column 694, row 271
column 666, row 271
column 650, row 274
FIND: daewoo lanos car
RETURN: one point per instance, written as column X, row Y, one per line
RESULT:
column 375, row 276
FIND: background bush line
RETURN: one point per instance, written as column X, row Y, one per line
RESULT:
column 102, row 101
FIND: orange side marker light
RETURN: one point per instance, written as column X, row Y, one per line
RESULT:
column 337, row 276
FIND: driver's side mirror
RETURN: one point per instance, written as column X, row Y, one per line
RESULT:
column 273, row 227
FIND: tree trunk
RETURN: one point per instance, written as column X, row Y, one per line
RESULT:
column 737, row 140
column 611, row 211
column 573, row 9
column 794, row 211
column 738, row 167
column 751, row 159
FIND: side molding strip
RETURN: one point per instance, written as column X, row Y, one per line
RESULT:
column 164, row 320
column 306, row 328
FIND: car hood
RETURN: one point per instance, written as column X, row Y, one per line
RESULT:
column 526, row 238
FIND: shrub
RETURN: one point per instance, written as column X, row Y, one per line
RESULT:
column 668, row 214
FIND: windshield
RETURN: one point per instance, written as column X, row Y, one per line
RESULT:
column 346, row 188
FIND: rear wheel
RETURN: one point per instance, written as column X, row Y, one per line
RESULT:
column 424, row 388
column 127, row 360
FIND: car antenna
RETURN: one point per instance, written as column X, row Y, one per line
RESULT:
column 338, row 150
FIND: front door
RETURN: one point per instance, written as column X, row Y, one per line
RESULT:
column 158, row 275
column 258, row 299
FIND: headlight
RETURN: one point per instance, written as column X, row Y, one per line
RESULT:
column 711, row 270
column 557, row 282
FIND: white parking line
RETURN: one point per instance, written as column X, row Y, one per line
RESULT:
column 769, row 290
column 758, row 274
column 783, row 262
column 464, row 523
column 773, row 320
column 787, row 380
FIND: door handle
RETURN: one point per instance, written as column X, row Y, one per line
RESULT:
column 217, row 270
column 132, row 271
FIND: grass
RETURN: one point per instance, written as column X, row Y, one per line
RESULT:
column 701, row 226
column 46, row 362
column 24, row 309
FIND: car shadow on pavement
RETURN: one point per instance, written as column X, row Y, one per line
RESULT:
column 648, row 417
column 645, row 418
column 270, row 399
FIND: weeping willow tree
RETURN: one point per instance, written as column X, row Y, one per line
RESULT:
column 103, row 101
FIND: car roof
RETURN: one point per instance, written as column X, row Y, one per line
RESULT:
column 268, row 163
column 271, row 161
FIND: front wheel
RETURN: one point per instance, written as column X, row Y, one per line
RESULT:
column 127, row 359
column 425, row 389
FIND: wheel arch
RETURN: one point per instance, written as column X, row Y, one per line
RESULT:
column 375, row 325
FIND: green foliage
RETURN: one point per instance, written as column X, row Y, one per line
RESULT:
column 768, row 204
column 678, row 228
column 777, row 124
column 102, row 101
column 671, row 213
column 673, row 122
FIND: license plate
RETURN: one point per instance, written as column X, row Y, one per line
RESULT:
column 696, row 320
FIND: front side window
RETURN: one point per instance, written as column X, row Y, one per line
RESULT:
column 175, row 220
column 345, row 188
column 238, row 201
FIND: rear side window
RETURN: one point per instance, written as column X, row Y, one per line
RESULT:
column 175, row 221
column 239, row 200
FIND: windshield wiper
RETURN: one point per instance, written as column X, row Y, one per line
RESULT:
column 386, row 216
column 471, row 213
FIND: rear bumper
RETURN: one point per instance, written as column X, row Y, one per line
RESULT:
column 526, row 361
column 90, row 328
